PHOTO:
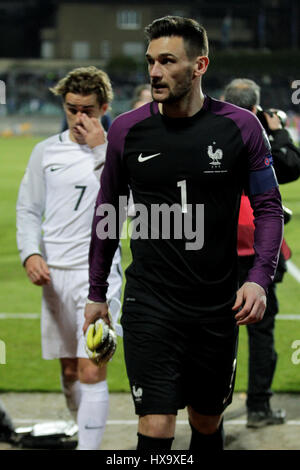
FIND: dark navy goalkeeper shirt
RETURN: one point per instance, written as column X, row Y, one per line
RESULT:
column 207, row 159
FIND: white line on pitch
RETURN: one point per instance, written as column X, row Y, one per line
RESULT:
column 293, row 270
column 232, row 422
column 116, row 422
column 19, row 316
column 287, row 316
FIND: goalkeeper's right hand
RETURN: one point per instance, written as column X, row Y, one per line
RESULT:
column 100, row 342
column 93, row 312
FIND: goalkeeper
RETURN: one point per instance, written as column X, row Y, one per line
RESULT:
column 54, row 213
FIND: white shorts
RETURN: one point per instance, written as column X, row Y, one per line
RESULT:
column 63, row 305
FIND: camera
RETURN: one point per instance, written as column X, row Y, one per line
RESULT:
column 281, row 115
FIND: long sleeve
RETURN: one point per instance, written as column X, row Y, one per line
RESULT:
column 109, row 215
column 266, row 203
column 30, row 206
column 268, row 221
column 99, row 153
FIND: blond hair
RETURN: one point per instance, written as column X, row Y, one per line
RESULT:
column 85, row 81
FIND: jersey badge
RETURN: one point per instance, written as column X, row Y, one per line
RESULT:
column 215, row 155
column 137, row 392
column 268, row 160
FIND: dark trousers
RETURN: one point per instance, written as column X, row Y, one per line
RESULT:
column 262, row 354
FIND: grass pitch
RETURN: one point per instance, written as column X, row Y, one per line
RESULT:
column 26, row 371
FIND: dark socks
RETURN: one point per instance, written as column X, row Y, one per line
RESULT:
column 207, row 442
column 153, row 443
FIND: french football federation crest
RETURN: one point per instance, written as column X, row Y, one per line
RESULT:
column 216, row 156
column 137, row 393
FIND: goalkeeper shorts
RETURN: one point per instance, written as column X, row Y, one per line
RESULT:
column 63, row 305
column 173, row 364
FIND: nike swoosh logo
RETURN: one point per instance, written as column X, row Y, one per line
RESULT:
column 93, row 427
column 54, row 169
column 142, row 159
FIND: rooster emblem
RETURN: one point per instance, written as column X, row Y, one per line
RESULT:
column 216, row 155
column 137, row 392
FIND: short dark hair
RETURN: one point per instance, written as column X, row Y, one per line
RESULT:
column 193, row 34
column 242, row 92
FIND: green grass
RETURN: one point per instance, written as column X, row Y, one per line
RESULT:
column 287, row 377
column 26, row 371
column 16, row 293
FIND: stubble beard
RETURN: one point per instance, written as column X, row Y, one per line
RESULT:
column 180, row 91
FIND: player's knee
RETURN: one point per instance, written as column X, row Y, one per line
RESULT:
column 89, row 377
column 70, row 375
column 159, row 426
column 89, row 373
column 69, row 370
column 204, row 424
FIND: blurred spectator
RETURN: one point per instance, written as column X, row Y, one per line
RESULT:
column 142, row 95
column 226, row 31
column 261, row 29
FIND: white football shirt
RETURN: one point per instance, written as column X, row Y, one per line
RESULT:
column 56, row 202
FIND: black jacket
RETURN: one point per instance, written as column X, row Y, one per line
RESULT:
column 286, row 156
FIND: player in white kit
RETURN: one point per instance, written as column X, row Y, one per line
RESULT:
column 54, row 214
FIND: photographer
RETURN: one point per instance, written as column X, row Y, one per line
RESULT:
column 286, row 160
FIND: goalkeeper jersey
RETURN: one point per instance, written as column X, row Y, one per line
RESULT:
column 56, row 201
column 203, row 161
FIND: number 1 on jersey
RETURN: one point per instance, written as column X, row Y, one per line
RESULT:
column 182, row 185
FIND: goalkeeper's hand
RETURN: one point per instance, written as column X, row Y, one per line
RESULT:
column 100, row 337
column 100, row 342
column 95, row 311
